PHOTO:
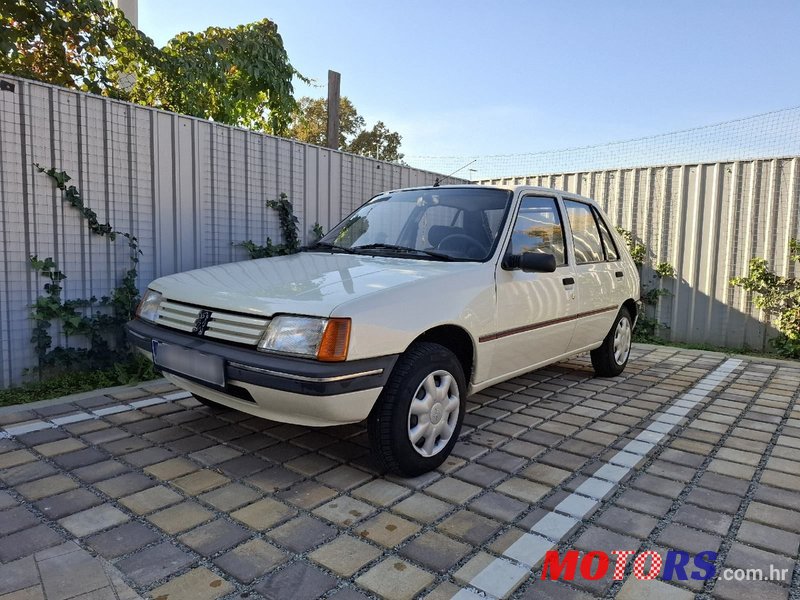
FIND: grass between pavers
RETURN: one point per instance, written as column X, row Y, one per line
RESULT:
column 131, row 372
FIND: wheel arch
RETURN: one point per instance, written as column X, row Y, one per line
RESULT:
column 457, row 340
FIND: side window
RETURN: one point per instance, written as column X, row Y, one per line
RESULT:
column 608, row 241
column 585, row 235
column 538, row 229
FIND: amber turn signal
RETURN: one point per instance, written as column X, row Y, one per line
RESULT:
column 335, row 340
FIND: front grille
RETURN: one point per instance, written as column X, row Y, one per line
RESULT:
column 227, row 326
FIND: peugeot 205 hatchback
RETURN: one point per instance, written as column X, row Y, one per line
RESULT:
column 418, row 299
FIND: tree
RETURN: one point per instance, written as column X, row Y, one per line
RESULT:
column 80, row 44
column 378, row 142
column 310, row 125
column 239, row 75
column 310, row 121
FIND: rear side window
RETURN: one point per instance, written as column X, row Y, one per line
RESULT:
column 608, row 241
column 585, row 235
column 538, row 229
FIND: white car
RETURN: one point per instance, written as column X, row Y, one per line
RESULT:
column 418, row 299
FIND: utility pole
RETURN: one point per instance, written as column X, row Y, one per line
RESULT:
column 334, row 83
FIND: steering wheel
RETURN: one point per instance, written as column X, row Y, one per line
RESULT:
column 462, row 243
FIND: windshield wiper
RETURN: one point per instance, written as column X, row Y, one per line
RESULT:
column 329, row 246
column 406, row 249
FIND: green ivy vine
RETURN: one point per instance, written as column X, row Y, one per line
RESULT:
column 99, row 321
column 290, row 230
column 647, row 326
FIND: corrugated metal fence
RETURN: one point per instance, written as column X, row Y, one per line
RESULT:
column 189, row 189
column 708, row 221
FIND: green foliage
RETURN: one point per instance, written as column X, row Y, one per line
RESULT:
column 637, row 249
column 290, row 229
column 239, row 75
column 779, row 297
column 317, row 232
column 310, row 124
column 80, row 44
column 647, row 326
column 99, row 322
column 378, row 142
column 310, row 121
column 136, row 368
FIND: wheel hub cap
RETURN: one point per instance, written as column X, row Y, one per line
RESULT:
column 622, row 341
column 433, row 413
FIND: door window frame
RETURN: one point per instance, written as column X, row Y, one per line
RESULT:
column 559, row 211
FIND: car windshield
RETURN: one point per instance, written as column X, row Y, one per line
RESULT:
column 432, row 223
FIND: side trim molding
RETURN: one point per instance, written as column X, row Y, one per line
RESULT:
column 501, row 334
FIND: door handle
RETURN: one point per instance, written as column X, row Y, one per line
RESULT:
column 618, row 274
column 568, row 281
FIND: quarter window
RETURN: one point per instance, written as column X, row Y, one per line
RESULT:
column 585, row 235
column 538, row 229
column 608, row 240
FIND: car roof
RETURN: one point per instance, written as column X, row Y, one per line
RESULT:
column 512, row 188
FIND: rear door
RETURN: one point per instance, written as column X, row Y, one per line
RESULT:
column 597, row 274
column 534, row 310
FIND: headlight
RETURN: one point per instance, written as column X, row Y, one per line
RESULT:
column 148, row 307
column 323, row 339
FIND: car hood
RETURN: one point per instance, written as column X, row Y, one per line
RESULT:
column 309, row 283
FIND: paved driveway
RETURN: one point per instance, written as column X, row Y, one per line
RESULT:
column 145, row 492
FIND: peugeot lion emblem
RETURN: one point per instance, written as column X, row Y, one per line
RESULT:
column 201, row 322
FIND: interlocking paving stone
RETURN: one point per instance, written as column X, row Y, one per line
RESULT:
column 522, row 489
column 79, row 458
column 214, row 537
column 344, row 511
column 100, row 471
column 230, row 497
column 387, row 529
column 251, row 560
column 301, row 534
column 171, row 468
column 180, row 517
column 18, row 575
column 307, row 494
column 48, row 486
column 61, row 505
column 154, row 563
column 469, row 526
column 299, row 581
column 380, row 492
column 345, row 555
column 150, row 500
column 635, row 589
column 16, row 519
column 435, row 551
column 747, row 590
column 395, row 579
column 200, row 481
column 72, row 573
column 93, row 520
column 28, row 541
column 274, row 479
column 498, row 506
column 124, row 485
column 700, row 518
column 422, row 507
column 627, row 522
column 122, row 540
column 197, row 584
column 263, row 514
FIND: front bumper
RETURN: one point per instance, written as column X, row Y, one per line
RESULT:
column 283, row 388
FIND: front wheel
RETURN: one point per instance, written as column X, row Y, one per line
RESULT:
column 610, row 359
column 417, row 418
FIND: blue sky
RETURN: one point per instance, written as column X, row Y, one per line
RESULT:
column 466, row 77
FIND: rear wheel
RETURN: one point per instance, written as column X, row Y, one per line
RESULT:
column 416, row 421
column 610, row 359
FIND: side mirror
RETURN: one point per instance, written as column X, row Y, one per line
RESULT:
column 531, row 262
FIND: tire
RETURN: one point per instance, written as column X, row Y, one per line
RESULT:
column 423, row 367
column 610, row 359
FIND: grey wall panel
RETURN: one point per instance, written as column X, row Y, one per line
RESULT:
column 188, row 189
column 708, row 221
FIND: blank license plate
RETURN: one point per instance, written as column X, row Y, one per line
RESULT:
column 191, row 363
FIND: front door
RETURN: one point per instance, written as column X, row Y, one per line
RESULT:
column 534, row 310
